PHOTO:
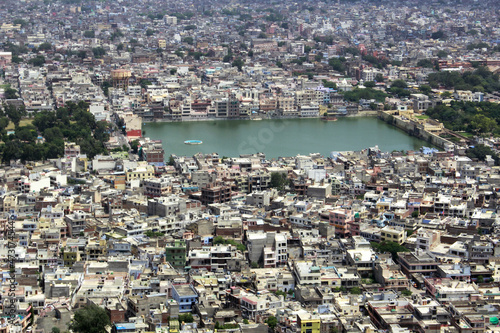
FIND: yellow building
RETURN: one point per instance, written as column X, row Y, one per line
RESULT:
column 70, row 256
column 141, row 172
column 9, row 203
column 162, row 43
column 393, row 234
column 96, row 249
column 308, row 323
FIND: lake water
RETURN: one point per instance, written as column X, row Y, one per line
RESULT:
column 275, row 138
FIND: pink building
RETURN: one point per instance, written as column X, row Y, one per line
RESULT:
column 5, row 58
column 343, row 220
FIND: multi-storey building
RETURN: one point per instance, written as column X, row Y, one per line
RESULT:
column 175, row 253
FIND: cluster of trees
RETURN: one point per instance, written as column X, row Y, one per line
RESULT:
column 154, row 234
column 481, row 80
column 375, row 61
column 37, row 61
column 182, row 16
column 90, row 319
column 399, row 88
column 480, row 45
column 438, row 35
column 329, row 84
column 238, row 63
column 71, row 123
column 367, row 93
column 338, row 64
column 272, row 322
column 225, row 326
column 89, row 34
column 473, row 117
column 480, row 151
column 186, row 318
column 278, row 181
column 427, row 63
column 98, row 52
column 221, row 240
column 392, row 247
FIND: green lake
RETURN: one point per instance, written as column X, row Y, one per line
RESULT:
column 282, row 137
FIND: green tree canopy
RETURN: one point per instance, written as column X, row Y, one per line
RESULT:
column 391, row 247
column 10, row 93
column 45, row 46
column 272, row 322
column 90, row 319
column 238, row 63
column 278, row 181
column 406, row 292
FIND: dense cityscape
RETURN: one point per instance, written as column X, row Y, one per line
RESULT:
column 104, row 228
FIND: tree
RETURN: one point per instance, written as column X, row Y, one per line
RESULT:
column 45, row 47
column 99, row 52
column 446, row 94
column 272, row 322
column 14, row 113
column 479, row 152
column 399, row 84
column 442, row 54
column 238, row 63
column 480, row 279
column 406, row 292
column 22, row 22
column 391, row 247
column 425, row 63
column 189, row 40
column 10, row 93
column 355, row 291
column 56, row 330
column 186, row 318
column 278, row 181
column 253, row 264
column 179, row 53
column 82, row 54
column 4, row 122
column 337, row 64
column 89, row 34
column 150, row 32
column 438, row 35
column 369, row 84
column 329, row 84
column 425, row 89
column 90, row 319
column 37, row 61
